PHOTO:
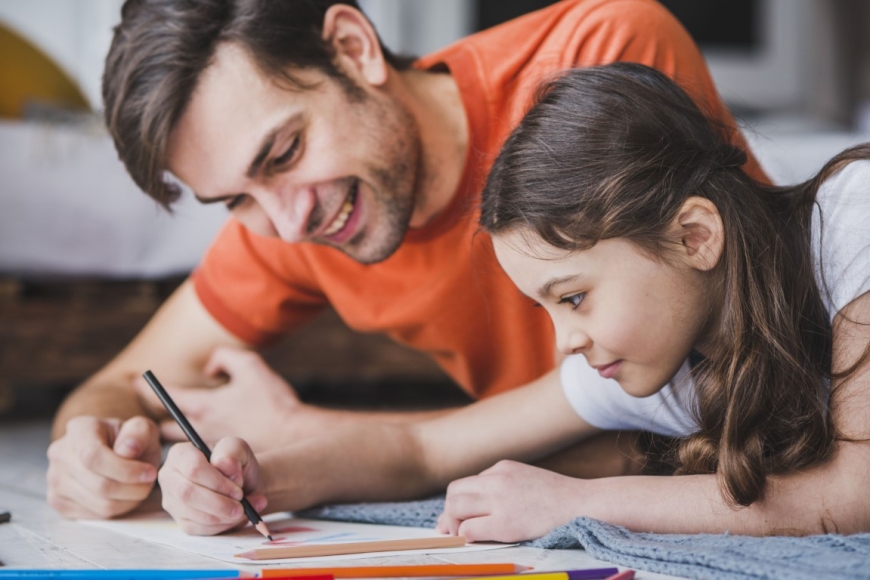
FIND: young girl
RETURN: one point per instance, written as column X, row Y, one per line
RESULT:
column 690, row 301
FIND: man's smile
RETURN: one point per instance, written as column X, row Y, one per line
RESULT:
column 342, row 217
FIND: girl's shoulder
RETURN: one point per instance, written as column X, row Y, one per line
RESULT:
column 841, row 235
column 850, row 184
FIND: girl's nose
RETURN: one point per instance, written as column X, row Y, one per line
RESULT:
column 572, row 340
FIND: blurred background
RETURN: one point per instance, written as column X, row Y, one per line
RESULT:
column 85, row 258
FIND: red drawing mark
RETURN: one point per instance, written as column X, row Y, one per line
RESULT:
column 288, row 530
column 295, row 530
column 282, row 542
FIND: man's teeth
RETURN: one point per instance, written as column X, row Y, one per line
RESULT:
column 341, row 218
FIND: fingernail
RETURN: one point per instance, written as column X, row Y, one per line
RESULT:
column 238, row 494
column 146, row 476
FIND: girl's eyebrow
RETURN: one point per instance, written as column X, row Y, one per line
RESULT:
column 547, row 288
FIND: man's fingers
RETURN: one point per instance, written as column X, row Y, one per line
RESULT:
column 90, row 452
column 75, row 499
column 137, row 438
column 230, row 360
column 101, row 486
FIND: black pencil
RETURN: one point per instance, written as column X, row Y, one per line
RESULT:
column 197, row 441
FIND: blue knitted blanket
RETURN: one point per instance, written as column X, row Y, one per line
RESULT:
column 703, row 556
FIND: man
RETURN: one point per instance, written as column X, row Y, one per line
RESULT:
column 352, row 177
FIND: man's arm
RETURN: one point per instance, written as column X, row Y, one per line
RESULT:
column 106, row 445
column 106, row 450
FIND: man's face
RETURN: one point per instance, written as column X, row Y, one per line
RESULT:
column 315, row 165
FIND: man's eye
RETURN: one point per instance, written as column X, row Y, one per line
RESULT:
column 574, row 300
column 287, row 155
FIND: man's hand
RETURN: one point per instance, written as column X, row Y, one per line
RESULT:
column 509, row 502
column 204, row 497
column 102, row 468
column 255, row 403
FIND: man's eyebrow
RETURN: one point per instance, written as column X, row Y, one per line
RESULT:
column 544, row 291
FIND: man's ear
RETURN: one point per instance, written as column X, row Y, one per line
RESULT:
column 356, row 44
column 699, row 228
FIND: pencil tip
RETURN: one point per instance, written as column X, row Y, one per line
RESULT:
column 264, row 529
column 270, row 538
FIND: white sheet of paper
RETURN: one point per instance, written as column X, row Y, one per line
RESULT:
column 286, row 531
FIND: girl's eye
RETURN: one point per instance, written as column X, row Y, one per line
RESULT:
column 287, row 155
column 574, row 300
column 236, row 201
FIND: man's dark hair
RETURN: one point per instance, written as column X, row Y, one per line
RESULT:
column 161, row 48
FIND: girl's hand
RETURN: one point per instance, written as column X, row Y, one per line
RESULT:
column 204, row 498
column 509, row 502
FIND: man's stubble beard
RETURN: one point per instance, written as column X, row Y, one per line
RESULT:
column 395, row 188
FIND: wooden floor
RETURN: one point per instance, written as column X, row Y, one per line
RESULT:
column 37, row 537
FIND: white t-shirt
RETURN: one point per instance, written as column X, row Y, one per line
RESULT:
column 840, row 236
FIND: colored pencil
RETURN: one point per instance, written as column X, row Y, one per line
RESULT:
column 197, row 441
column 406, row 571
column 585, row 574
column 5, row 517
column 624, row 575
column 353, row 548
column 104, row 574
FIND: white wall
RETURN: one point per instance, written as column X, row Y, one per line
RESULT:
column 75, row 33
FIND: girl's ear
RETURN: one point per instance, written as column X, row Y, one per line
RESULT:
column 356, row 45
column 699, row 228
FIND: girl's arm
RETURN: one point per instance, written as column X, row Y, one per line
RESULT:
column 833, row 497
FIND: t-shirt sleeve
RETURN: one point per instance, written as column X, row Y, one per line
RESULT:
column 257, row 288
column 646, row 33
column 602, row 403
column 841, row 234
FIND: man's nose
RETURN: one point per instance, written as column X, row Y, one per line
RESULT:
column 288, row 209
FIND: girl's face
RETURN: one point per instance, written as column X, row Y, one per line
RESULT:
column 634, row 318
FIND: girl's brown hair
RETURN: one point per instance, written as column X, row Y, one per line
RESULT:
column 613, row 152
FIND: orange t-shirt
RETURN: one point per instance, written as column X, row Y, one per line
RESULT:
column 442, row 292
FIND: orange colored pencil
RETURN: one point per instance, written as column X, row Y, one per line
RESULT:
column 407, row 571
